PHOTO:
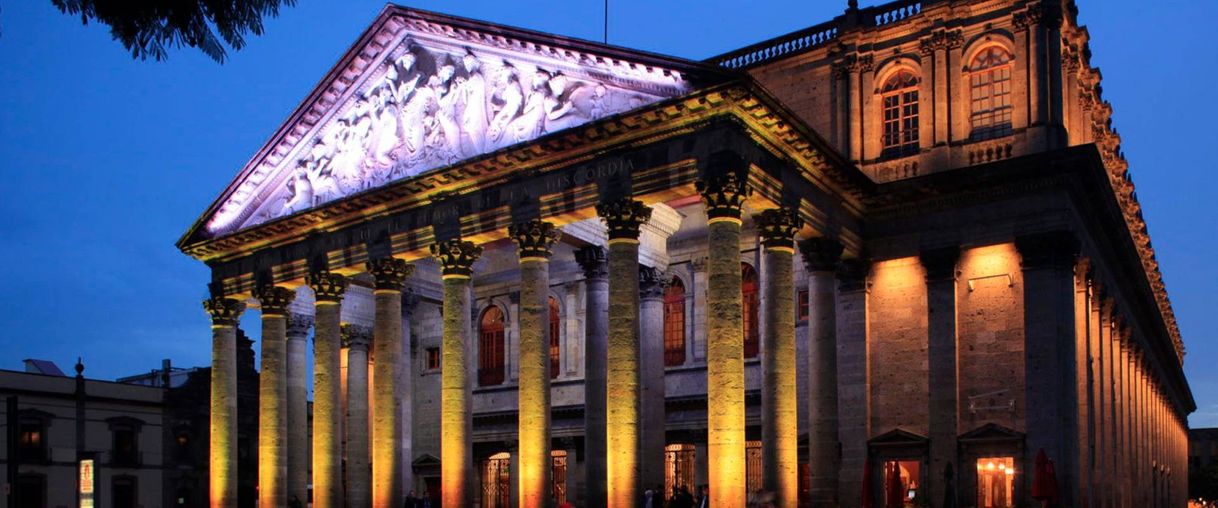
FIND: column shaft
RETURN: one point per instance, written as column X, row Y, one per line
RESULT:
column 821, row 257
column 534, row 239
column 724, row 194
column 940, row 265
column 272, row 398
column 596, row 336
column 359, row 481
column 222, row 470
column 651, row 379
column 298, row 407
column 779, row 422
column 327, row 390
column 390, row 273
column 456, row 419
column 623, row 217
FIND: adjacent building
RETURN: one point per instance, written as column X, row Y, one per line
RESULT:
column 896, row 255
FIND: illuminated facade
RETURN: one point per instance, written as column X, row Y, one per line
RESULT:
column 851, row 258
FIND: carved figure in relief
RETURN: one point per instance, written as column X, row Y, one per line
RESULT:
column 473, row 113
column 449, row 135
column 509, row 100
column 385, row 129
column 302, row 192
column 533, row 113
column 562, row 110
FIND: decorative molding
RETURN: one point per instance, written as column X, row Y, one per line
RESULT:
column 224, row 311
column 534, row 238
column 299, row 325
column 821, row 254
column 390, row 273
column 327, row 286
column 941, row 40
column 274, row 300
column 456, row 257
column 594, row 262
column 723, row 194
column 652, row 282
column 624, row 217
column 778, row 227
column 356, row 336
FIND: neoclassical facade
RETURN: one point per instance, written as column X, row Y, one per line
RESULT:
column 891, row 259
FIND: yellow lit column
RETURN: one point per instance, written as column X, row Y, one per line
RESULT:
column 390, row 274
column 623, row 218
column 359, row 483
column 779, row 421
column 821, row 257
column 272, row 397
column 724, row 194
column 222, row 472
column 534, row 239
column 456, row 419
column 328, row 290
column 298, row 406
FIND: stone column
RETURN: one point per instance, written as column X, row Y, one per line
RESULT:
column 853, row 374
column 272, row 397
column 534, row 240
column 1048, row 261
column 359, row 481
column 651, row 377
column 222, row 471
column 623, row 217
column 821, row 256
column 940, row 265
column 456, row 259
column 596, row 338
column 779, row 405
column 724, row 194
column 298, row 407
column 390, row 274
column 328, row 289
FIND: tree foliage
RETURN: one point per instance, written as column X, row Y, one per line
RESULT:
column 150, row 28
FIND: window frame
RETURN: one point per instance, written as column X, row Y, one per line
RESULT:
column 996, row 121
column 129, row 458
column 750, row 310
column 555, row 324
column 492, row 367
column 674, row 323
column 900, row 94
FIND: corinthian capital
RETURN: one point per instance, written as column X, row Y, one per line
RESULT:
column 777, row 228
column 594, row 261
column 274, row 299
column 821, row 254
column 724, row 195
column 356, row 336
column 534, row 238
column 224, row 311
column 327, row 286
column 623, row 217
column 652, row 282
column 456, row 257
column 390, row 272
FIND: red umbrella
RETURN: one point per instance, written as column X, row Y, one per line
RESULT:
column 868, row 498
column 1044, row 480
column 894, row 491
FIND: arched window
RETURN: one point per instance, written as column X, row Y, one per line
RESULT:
column 990, row 93
column 555, row 325
column 674, row 323
column 490, row 347
column 749, row 302
column 899, row 97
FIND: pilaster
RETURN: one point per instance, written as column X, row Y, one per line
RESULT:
column 357, row 339
column 652, row 282
column 940, row 266
column 298, row 326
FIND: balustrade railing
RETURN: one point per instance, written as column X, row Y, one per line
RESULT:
column 817, row 35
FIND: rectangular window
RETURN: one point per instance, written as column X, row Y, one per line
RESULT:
column 32, row 442
column 996, row 482
column 801, row 309
column 902, row 480
column 433, row 358
column 125, row 450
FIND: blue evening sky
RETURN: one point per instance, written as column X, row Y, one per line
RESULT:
column 105, row 161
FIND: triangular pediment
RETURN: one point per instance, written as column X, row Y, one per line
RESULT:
column 421, row 91
column 899, row 437
column 991, row 432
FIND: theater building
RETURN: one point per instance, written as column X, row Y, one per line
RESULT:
column 894, row 257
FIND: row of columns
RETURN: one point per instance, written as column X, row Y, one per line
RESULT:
column 614, row 414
